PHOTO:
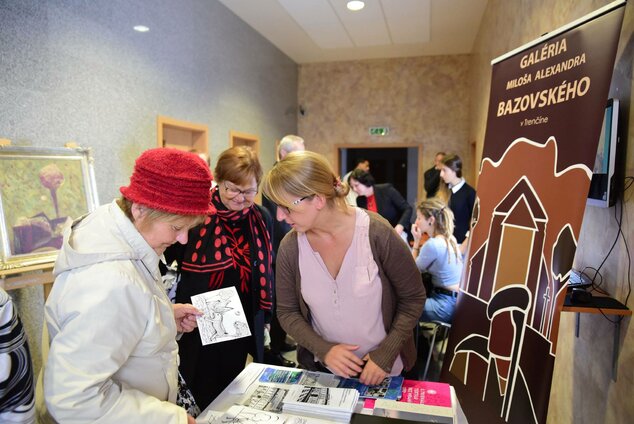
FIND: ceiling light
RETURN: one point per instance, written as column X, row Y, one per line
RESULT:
column 355, row 5
column 141, row 28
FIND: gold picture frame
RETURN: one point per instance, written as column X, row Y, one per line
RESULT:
column 41, row 189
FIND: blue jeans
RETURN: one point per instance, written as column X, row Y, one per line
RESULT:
column 439, row 307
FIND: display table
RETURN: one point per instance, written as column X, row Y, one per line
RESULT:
column 236, row 393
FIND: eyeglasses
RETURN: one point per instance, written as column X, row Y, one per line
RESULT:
column 234, row 191
column 287, row 210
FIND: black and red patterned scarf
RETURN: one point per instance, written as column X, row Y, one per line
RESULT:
column 219, row 246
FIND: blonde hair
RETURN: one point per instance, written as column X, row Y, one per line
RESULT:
column 444, row 193
column 443, row 222
column 304, row 174
column 153, row 215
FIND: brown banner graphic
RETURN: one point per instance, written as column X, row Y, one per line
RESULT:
column 545, row 113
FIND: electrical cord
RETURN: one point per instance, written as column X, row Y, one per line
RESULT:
column 618, row 217
column 629, row 181
column 595, row 286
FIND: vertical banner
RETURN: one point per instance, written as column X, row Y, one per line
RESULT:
column 545, row 113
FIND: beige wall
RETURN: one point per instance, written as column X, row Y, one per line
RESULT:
column 423, row 100
column 441, row 103
column 582, row 390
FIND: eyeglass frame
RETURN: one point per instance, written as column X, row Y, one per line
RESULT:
column 247, row 194
column 287, row 210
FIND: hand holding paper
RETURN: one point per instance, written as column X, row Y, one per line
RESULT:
column 185, row 316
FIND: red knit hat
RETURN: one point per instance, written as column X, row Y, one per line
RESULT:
column 172, row 181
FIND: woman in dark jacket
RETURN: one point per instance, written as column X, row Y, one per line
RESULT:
column 231, row 249
column 381, row 198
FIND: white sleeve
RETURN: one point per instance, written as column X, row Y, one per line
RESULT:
column 97, row 320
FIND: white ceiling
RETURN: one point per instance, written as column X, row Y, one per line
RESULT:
column 325, row 30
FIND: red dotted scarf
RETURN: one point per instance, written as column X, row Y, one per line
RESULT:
column 218, row 246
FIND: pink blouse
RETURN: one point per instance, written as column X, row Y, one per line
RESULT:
column 346, row 309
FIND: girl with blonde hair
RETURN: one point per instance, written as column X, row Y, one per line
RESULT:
column 348, row 291
column 439, row 256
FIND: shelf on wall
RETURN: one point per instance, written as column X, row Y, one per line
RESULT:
column 182, row 135
column 243, row 139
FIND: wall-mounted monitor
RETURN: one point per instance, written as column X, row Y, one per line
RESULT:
column 607, row 165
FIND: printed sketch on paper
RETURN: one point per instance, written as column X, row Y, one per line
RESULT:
column 223, row 317
column 238, row 414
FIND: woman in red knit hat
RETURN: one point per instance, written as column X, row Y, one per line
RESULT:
column 231, row 249
column 111, row 327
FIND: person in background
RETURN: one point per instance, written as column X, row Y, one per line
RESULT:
column 289, row 143
column 17, row 400
column 273, row 355
column 462, row 196
column 439, row 256
column 383, row 199
column 111, row 328
column 232, row 248
column 360, row 163
column 348, row 290
column 432, row 176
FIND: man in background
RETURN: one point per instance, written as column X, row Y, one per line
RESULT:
column 289, row 143
column 362, row 164
column 432, row 175
column 273, row 355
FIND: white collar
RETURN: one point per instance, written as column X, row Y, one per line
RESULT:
column 455, row 188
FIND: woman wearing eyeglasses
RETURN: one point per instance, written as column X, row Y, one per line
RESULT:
column 232, row 248
column 348, row 290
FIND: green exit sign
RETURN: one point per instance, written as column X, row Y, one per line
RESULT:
column 379, row 130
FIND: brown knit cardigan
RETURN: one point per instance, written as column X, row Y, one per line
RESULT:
column 402, row 301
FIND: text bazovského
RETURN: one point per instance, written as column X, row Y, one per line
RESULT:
column 563, row 92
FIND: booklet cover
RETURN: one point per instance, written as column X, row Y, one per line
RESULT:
column 266, row 398
column 305, row 378
column 390, row 388
column 329, row 403
column 421, row 401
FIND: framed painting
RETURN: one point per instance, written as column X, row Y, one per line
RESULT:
column 41, row 189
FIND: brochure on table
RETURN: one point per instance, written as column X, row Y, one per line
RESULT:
column 258, row 393
column 390, row 388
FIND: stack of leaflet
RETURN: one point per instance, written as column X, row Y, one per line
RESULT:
column 327, row 403
column 389, row 388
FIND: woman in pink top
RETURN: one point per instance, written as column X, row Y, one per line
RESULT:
column 348, row 290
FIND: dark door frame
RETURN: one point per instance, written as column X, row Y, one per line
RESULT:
column 419, row 147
